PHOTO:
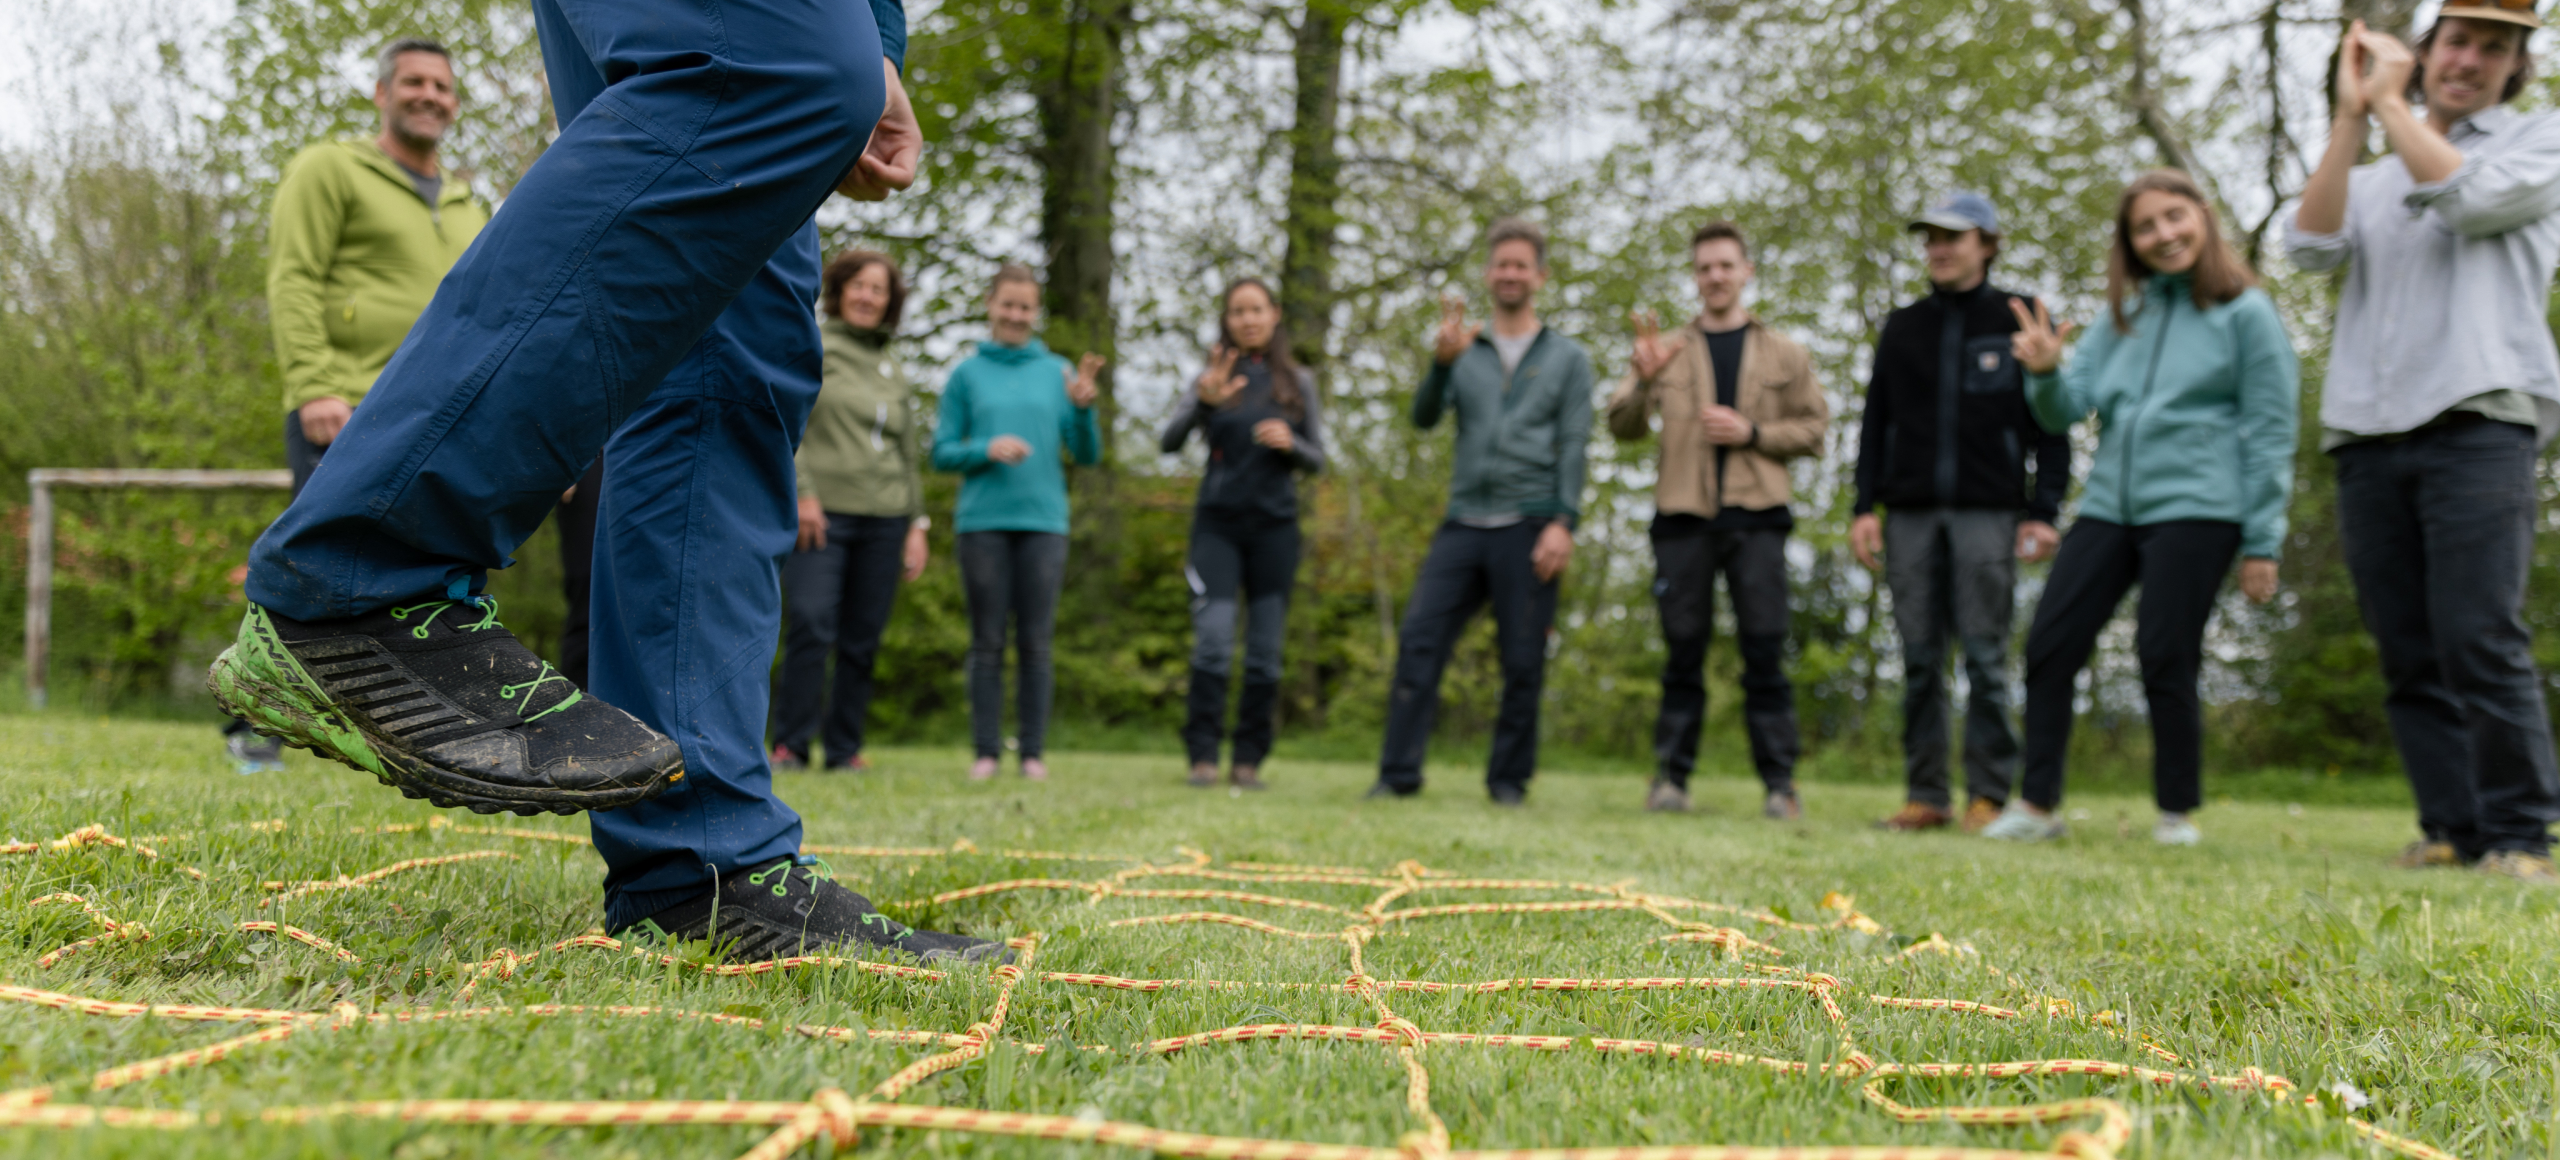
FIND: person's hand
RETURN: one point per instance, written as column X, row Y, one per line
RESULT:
column 2036, row 541
column 1220, row 383
column 1081, row 384
column 2348, row 86
column 2388, row 64
column 323, row 418
column 570, row 496
column 888, row 161
column 1008, row 449
column 918, row 553
column 1455, row 335
column 1651, row 353
column 813, row 525
column 2258, row 579
column 1866, row 539
column 1725, row 426
column 1554, row 551
column 2038, row 343
column 1275, row 434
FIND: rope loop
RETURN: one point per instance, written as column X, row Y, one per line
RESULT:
column 838, row 1109
column 1403, row 1029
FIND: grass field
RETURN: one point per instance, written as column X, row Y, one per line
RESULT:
column 2284, row 943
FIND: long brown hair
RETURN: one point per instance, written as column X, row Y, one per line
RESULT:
column 850, row 265
column 2219, row 274
column 1284, row 365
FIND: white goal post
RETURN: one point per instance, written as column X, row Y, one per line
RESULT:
column 40, row 485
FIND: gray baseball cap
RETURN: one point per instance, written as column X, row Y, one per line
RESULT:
column 1962, row 210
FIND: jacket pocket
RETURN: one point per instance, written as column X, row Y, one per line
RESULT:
column 1988, row 366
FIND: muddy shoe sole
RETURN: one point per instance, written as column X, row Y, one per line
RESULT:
column 258, row 680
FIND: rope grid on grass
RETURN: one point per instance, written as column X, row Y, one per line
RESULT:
column 835, row 1117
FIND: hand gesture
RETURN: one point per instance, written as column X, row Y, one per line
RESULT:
column 1081, row 387
column 888, row 160
column 2038, row 343
column 1553, row 551
column 1455, row 335
column 1866, row 540
column 2348, row 88
column 1725, row 426
column 1651, row 353
column 2388, row 65
column 1275, row 434
column 1218, row 384
column 2258, row 579
column 1008, row 449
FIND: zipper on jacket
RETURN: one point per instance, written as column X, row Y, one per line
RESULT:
column 2133, row 420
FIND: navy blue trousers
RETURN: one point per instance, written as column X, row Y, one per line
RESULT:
column 650, row 282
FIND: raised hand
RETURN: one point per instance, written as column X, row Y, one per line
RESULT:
column 1219, row 384
column 1651, row 353
column 2038, row 343
column 2348, row 87
column 1455, row 335
column 2388, row 65
column 1081, row 385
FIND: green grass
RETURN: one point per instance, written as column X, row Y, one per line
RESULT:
column 2283, row 943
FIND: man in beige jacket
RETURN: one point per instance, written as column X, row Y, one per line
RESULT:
column 1733, row 400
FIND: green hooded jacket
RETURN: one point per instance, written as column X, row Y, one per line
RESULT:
column 2196, row 412
column 863, row 444
column 353, row 256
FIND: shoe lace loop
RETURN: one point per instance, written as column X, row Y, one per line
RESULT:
column 488, row 606
column 782, row 868
column 526, row 688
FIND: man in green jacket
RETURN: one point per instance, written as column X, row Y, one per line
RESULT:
column 361, row 234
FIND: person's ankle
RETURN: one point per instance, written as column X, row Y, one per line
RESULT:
column 2033, row 808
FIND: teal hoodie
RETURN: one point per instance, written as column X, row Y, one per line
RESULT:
column 1019, row 391
column 2196, row 412
column 1521, row 433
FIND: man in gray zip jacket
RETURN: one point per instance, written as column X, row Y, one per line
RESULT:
column 1523, row 399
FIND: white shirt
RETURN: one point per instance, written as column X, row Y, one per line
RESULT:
column 1512, row 349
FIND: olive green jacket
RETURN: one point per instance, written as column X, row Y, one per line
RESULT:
column 353, row 256
column 863, row 448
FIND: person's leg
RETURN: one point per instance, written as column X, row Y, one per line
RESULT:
column 2392, row 563
column 1215, row 569
column 2477, row 502
column 1271, row 570
column 301, row 456
column 986, row 580
column 2182, row 564
column 1754, row 564
column 1917, row 570
column 1684, row 588
column 813, row 585
column 870, row 589
column 577, row 521
column 2089, row 578
column 1983, row 563
column 1448, row 592
column 1524, row 608
column 1040, row 570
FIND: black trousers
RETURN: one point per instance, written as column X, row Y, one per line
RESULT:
column 1011, row 580
column 2438, row 529
column 835, row 602
column 1753, row 562
column 1465, row 570
column 1248, row 567
column 2180, row 565
column 577, row 519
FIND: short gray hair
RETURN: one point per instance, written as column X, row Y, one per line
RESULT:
column 387, row 65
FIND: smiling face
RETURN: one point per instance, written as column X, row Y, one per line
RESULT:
column 1514, row 274
column 418, row 102
column 1958, row 259
column 2468, row 64
column 1251, row 317
column 1013, row 310
column 1722, row 271
column 2168, row 231
column 865, row 300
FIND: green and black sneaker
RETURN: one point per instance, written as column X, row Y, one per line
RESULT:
column 794, row 906
column 440, row 701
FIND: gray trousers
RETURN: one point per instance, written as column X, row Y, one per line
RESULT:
column 1953, row 572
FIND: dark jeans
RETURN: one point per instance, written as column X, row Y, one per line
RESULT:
column 835, row 600
column 1237, row 566
column 2180, row 565
column 1953, row 571
column 2438, row 529
column 577, row 520
column 1754, row 564
column 1466, row 569
column 1011, row 578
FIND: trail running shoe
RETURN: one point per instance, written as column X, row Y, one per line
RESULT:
column 794, row 906
column 783, row 760
column 2520, row 865
column 2427, row 854
column 1914, row 817
column 439, row 701
column 1978, row 813
column 1246, row 777
column 1388, row 789
column 1507, row 793
column 2176, row 830
column 1204, row 774
column 2021, row 823
column 1782, row 805
column 1666, row 798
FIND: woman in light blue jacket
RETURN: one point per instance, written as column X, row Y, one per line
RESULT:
column 2195, row 389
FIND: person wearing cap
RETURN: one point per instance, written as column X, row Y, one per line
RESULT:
column 1735, row 400
column 1944, row 448
column 2443, row 384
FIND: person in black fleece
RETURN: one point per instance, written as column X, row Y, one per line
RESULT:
column 1943, row 446
column 1256, row 409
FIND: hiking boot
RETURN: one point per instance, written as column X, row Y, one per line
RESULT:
column 1507, row 793
column 1389, row 789
column 251, row 753
column 2521, row 865
column 783, row 760
column 1979, row 812
column 1204, row 775
column 1914, row 817
column 1666, row 798
column 2024, row 823
column 440, row 701
column 2176, row 830
column 795, row 907
column 2427, row 854
column 1782, row 805
column 1248, row 777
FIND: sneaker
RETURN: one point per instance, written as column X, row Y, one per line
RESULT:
column 1246, row 777
column 2021, row 823
column 1389, row 789
column 1666, row 798
column 2176, row 830
column 795, row 907
column 1507, row 793
column 441, row 702
column 1914, row 817
column 1204, row 774
column 1034, row 769
column 783, row 760
column 854, row 764
column 2427, row 854
column 251, row 753
column 983, row 769
column 2521, row 865
column 1782, row 805
column 1979, row 812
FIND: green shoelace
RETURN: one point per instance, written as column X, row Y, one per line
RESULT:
column 521, row 691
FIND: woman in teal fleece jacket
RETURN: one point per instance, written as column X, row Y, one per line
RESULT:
column 1013, row 417
column 2195, row 387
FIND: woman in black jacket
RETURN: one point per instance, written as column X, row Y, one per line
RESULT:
column 1256, row 409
